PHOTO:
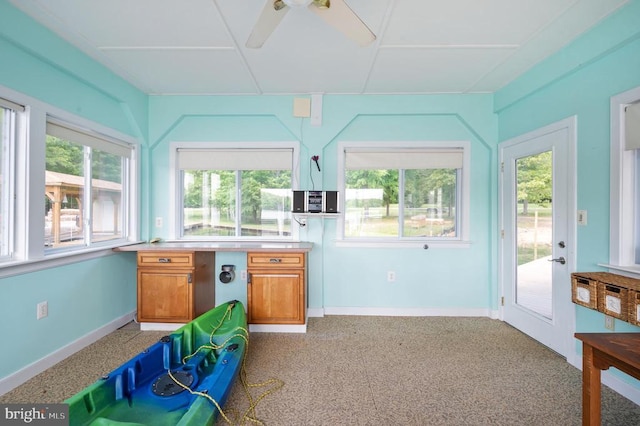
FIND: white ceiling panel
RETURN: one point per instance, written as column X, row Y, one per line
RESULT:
column 432, row 70
column 181, row 71
column 141, row 22
column 422, row 46
column 470, row 22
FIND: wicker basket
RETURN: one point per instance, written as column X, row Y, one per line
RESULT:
column 634, row 307
column 584, row 289
column 613, row 300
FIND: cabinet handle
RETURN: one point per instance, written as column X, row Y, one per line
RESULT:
column 275, row 260
column 189, row 278
column 164, row 260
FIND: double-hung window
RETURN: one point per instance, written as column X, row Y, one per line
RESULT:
column 625, row 182
column 86, row 187
column 8, row 131
column 240, row 191
column 405, row 191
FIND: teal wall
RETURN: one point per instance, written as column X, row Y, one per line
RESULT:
column 85, row 295
column 580, row 80
column 350, row 277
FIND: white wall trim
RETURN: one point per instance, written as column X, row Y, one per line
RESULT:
column 622, row 185
column 410, row 312
column 315, row 312
column 612, row 381
column 277, row 328
column 19, row 377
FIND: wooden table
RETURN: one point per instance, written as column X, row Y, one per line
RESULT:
column 599, row 352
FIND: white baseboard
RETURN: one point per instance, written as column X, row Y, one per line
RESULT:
column 409, row 312
column 315, row 312
column 612, row 381
column 19, row 377
column 160, row 326
column 277, row 328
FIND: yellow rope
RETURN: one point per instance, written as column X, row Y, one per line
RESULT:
column 250, row 413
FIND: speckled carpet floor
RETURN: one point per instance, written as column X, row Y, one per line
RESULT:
column 377, row 371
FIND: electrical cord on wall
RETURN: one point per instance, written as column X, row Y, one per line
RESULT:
column 314, row 158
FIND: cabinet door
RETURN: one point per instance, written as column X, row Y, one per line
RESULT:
column 276, row 297
column 165, row 296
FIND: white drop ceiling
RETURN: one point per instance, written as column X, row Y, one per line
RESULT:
column 422, row 46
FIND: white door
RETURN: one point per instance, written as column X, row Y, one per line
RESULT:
column 537, row 238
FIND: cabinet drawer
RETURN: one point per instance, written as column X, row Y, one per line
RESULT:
column 275, row 260
column 165, row 259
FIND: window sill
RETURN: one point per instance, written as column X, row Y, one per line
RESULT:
column 19, row 267
column 630, row 270
column 423, row 245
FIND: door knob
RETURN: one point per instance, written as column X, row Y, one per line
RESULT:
column 561, row 260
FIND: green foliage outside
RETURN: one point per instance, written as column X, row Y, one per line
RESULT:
column 535, row 180
column 261, row 191
column 429, row 202
column 66, row 157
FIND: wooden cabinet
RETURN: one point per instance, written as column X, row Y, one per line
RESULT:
column 276, row 288
column 175, row 286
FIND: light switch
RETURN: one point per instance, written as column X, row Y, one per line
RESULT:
column 582, row 217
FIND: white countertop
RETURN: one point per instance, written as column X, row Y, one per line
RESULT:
column 219, row 246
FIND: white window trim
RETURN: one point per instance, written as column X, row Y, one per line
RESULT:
column 622, row 190
column 29, row 251
column 424, row 243
column 174, row 180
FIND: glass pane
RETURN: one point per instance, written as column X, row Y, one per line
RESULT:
column 371, row 198
column 534, row 233
column 7, row 118
column 64, row 193
column 210, row 203
column 106, row 186
column 430, row 203
column 266, row 203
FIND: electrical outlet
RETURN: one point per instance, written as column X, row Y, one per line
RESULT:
column 609, row 322
column 42, row 310
column 158, row 222
column 391, row 276
column 243, row 275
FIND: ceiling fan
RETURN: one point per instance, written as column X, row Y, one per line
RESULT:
column 335, row 12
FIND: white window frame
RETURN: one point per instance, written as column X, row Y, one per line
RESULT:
column 89, row 138
column 175, row 186
column 462, row 239
column 16, row 134
column 29, row 252
column 623, row 191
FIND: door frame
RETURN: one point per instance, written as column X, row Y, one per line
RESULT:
column 570, row 125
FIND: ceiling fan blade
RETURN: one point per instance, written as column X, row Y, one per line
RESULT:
column 267, row 22
column 341, row 17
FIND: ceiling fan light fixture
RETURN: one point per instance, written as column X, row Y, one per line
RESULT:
column 323, row 4
column 297, row 3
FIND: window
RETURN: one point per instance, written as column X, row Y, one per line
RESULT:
column 86, row 177
column 240, row 192
column 405, row 192
column 625, row 182
column 8, row 125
